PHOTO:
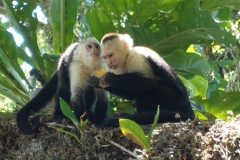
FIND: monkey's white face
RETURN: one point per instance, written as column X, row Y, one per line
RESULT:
column 93, row 51
column 110, row 56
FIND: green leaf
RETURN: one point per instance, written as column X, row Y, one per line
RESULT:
column 163, row 44
column 215, row 68
column 163, row 32
column 223, row 14
column 25, row 22
column 183, row 39
column 9, row 56
column 82, row 126
column 98, row 22
column 4, row 25
column 125, row 107
column 71, row 10
column 220, row 102
column 11, row 95
column 25, row 58
column 187, row 64
column 204, row 115
column 134, row 132
column 63, row 18
column 173, row 30
column 51, row 62
column 216, row 85
column 10, row 86
column 216, row 4
column 153, row 125
column 69, row 133
column 105, row 16
column 197, row 106
column 191, row 69
column 197, row 85
column 55, row 21
column 68, row 112
column 143, row 10
column 226, row 63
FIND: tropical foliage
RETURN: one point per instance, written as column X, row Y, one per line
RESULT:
column 198, row 38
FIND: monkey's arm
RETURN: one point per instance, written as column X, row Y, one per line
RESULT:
column 131, row 82
column 94, row 81
column 148, row 117
column 98, row 98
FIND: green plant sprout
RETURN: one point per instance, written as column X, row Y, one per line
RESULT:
column 80, row 125
column 134, row 131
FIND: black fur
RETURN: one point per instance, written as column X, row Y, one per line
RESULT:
column 165, row 90
column 96, row 95
column 35, row 72
column 59, row 86
column 108, row 38
column 38, row 102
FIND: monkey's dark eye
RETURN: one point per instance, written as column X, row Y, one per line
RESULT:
column 97, row 46
column 89, row 46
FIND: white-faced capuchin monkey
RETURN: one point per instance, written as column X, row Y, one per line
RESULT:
column 140, row 74
column 69, row 82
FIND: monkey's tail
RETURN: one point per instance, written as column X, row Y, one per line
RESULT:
column 35, row 104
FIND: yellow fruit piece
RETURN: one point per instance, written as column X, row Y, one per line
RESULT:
column 99, row 73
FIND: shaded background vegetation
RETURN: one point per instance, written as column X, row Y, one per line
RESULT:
column 198, row 38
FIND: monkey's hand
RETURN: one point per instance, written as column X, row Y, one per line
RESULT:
column 108, row 79
column 94, row 81
column 103, row 82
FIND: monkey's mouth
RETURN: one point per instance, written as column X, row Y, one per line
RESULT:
column 112, row 67
column 94, row 54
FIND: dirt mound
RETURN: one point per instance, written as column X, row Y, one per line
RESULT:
column 186, row 140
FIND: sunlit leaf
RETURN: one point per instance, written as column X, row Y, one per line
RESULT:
column 154, row 124
column 9, row 56
column 134, row 132
column 68, row 112
column 23, row 20
column 204, row 115
column 69, row 133
column 197, row 85
column 220, row 102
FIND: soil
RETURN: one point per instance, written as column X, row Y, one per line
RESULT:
column 189, row 140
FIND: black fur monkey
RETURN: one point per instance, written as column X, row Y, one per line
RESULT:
column 69, row 82
column 140, row 73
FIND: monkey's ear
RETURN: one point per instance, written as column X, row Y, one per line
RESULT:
column 128, row 40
